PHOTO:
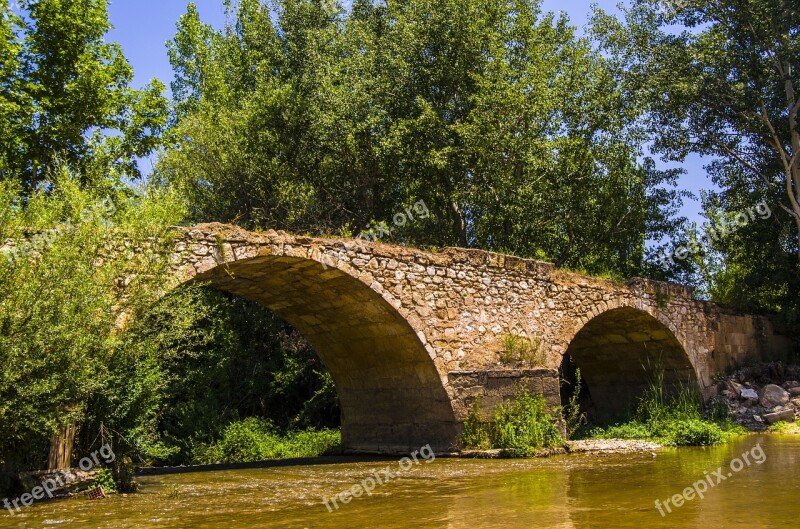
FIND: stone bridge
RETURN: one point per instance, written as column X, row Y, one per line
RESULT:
column 412, row 338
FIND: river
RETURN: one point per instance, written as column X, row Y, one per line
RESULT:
column 574, row 491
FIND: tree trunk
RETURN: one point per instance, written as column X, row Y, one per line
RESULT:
column 61, row 447
column 459, row 224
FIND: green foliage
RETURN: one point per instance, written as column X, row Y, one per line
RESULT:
column 214, row 359
column 722, row 79
column 511, row 128
column 66, row 96
column 475, row 434
column 785, row 427
column 574, row 418
column 257, row 440
column 63, row 301
column 522, row 350
column 524, row 425
column 520, row 427
column 105, row 479
column 672, row 419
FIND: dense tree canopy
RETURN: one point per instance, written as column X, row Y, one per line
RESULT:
column 66, row 288
column 512, row 129
column 66, row 95
column 721, row 79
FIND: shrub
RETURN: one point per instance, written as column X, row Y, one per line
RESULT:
column 476, row 434
column 255, row 439
column 105, row 479
column 521, row 427
column 676, row 420
column 695, row 432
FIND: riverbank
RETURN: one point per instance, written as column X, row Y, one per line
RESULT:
column 582, row 446
column 758, row 397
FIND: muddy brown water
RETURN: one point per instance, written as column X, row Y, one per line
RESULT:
column 575, row 491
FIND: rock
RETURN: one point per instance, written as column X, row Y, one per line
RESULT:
column 794, row 392
column 774, row 396
column 784, row 415
column 747, row 394
column 796, row 403
column 727, row 393
column 758, row 418
column 791, row 384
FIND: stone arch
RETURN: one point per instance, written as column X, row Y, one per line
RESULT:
column 392, row 396
column 619, row 350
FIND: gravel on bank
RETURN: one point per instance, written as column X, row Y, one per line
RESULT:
column 612, row 446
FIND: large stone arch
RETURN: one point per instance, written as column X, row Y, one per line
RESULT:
column 392, row 396
column 619, row 350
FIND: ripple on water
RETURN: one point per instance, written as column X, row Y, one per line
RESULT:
column 577, row 491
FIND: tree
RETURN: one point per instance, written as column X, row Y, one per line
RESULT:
column 720, row 79
column 67, row 282
column 67, row 95
column 308, row 118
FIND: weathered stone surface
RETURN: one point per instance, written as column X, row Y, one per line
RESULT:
column 748, row 394
column 773, row 396
column 783, row 415
column 794, row 392
column 410, row 337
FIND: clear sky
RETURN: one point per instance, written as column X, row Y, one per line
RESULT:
column 142, row 27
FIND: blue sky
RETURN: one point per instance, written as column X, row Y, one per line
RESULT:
column 142, row 27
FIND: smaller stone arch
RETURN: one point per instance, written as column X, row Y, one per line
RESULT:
column 619, row 352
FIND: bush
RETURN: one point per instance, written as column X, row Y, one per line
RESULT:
column 521, row 426
column 696, row 433
column 676, row 420
column 475, row 434
column 256, row 439
column 105, row 479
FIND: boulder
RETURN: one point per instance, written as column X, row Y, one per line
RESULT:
column 774, row 396
column 783, row 415
column 794, row 392
column 792, row 384
column 748, row 394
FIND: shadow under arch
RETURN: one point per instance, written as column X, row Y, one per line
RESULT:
column 618, row 352
column 391, row 395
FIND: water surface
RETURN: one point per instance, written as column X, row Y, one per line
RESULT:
column 578, row 491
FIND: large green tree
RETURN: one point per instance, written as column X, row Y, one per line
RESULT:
column 513, row 130
column 721, row 78
column 67, row 96
column 68, row 284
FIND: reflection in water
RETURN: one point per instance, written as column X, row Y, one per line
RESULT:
column 561, row 492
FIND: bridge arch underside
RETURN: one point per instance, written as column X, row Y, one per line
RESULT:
column 391, row 395
column 619, row 352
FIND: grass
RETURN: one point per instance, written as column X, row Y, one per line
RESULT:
column 520, row 427
column 574, row 418
column 785, row 427
column 255, row 439
column 522, row 350
column 674, row 420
